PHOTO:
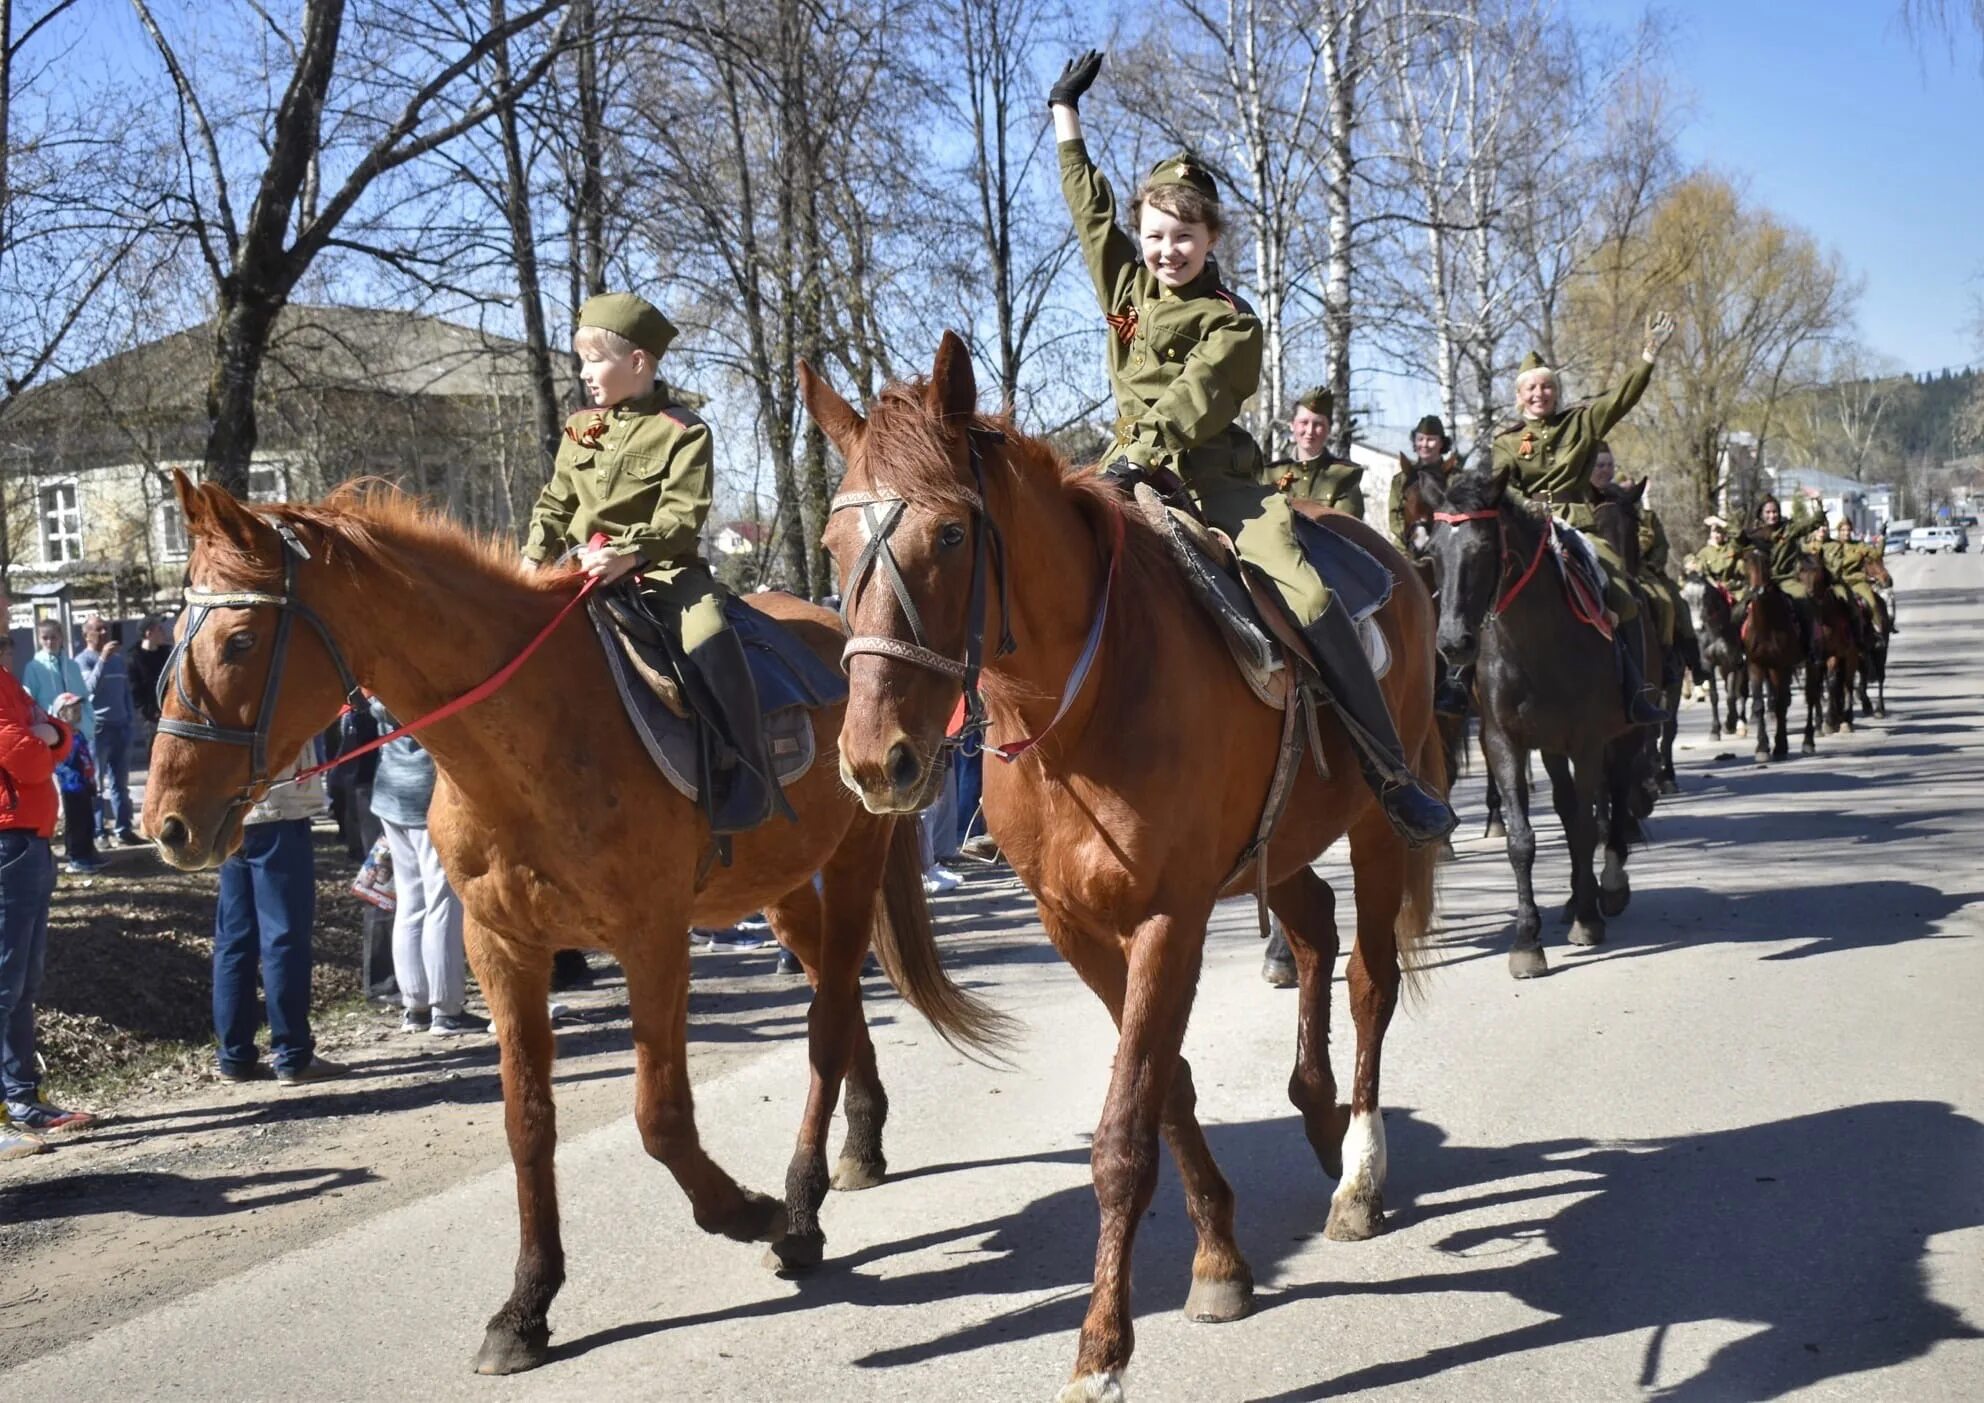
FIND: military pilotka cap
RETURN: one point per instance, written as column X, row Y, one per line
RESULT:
column 630, row 316
column 1433, row 425
column 1183, row 169
column 1533, row 361
column 1318, row 401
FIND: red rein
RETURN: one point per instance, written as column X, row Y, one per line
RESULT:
column 1536, row 562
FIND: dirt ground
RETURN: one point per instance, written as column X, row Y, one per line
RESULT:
column 189, row 1179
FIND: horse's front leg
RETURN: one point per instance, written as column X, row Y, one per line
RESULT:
column 1815, row 684
column 1510, row 767
column 1574, row 786
column 1714, row 706
column 1759, row 717
column 1163, row 977
column 516, row 981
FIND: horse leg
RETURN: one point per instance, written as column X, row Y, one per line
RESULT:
column 1307, row 908
column 1165, row 955
column 1495, row 826
column 1759, row 719
column 1378, row 859
column 1510, row 767
column 1574, row 785
column 1780, row 702
column 834, row 922
column 861, row 1164
column 657, row 974
column 517, row 984
column 1815, row 681
column 1615, row 888
column 1714, row 706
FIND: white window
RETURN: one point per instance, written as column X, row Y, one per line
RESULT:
column 266, row 485
column 61, row 523
column 171, row 531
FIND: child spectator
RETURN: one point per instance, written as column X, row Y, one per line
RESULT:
column 76, row 778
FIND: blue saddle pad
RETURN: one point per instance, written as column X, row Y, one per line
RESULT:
column 787, row 672
column 1357, row 577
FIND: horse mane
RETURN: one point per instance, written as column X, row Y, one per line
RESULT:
column 371, row 522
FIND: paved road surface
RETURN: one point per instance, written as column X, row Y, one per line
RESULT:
column 1734, row 1154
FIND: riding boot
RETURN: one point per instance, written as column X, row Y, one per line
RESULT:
column 1419, row 815
column 1642, row 708
column 741, row 787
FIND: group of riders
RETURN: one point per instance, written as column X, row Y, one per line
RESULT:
column 632, row 483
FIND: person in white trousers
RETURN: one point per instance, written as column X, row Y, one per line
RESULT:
column 429, row 962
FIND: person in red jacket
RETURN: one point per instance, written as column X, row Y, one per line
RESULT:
column 31, row 745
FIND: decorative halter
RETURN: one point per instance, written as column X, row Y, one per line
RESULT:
column 881, row 512
column 205, row 728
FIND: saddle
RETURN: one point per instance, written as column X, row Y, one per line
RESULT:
column 669, row 708
column 1245, row 604
column 1582, row 576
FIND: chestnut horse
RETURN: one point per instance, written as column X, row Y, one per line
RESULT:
column 1830, row 686
column 1773, row 650
column 555, row 828
column 1130, row 816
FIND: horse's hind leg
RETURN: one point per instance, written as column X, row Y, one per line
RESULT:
column 828, row 928
column 517, row 984
column 1378, row 865
column 1307, row 908
column 657, row 973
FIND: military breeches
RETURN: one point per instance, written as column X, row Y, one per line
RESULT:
column 1619, row 597
column 692, row 595
column 1257, row 518
column 1865, row 593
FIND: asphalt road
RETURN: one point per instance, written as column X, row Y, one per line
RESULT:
column 1736, row 1153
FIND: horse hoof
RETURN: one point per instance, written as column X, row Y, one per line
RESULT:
column 1669, row 785
column 853, row 1175
column 760, row 1219
column 1847, row 725
column 1495, row 829
column 1358, row 1218
column 509, row 1351
column 1105, row 1387
column 1592, row 932
column 796, row 1254
column 1528, row 963
column 1279, row 973
column 1881, row 711
column 1611, row 903
column 1808, row 749
column 1216, row 1302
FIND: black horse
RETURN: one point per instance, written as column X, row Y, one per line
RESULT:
column 1544, row 680
column 1721, row 638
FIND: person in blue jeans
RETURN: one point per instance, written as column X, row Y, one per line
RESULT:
column 268, row 905
column 106, row 670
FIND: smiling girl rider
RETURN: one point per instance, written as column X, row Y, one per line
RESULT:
column 1184, row 355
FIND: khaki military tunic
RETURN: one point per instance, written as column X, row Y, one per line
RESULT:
column 1181, row 364
column 1718, row 563
column 1780, row 548
column 1334, row 482
column 638, row 474
column 1552, row 458
column 1653, row 578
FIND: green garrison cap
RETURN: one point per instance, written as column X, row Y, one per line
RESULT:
column 1183, row 169
column 1533, row 361
column 1433, row 425
column 633, row 317
column 1318, row 401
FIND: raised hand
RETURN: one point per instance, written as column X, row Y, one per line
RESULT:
column 1659, row 326
column 1077, row 78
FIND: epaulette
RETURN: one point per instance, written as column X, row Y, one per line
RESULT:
column 1234, row 300
column 683, row 415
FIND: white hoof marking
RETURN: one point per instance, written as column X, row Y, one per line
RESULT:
column 1106, row 1387
column 1363, row 1156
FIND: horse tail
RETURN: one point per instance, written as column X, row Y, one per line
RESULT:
column 1420, row 902
column 905, row 942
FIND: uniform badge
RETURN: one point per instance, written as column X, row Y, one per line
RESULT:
column 591, row 434
column 1124, row 323
column 1286, row 481
column 1527, row 448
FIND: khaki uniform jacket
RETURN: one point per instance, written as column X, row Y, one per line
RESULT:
column 1780, row 547
column 638, row 473
column 1335, row 482
column 1653, row 542
column 1717, row 562
column 1181, row 363
column 1553, row 456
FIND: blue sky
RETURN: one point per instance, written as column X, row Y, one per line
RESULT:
column 1834, row 117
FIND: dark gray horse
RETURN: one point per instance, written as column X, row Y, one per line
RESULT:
column 1545, row 681
column 1721, row 638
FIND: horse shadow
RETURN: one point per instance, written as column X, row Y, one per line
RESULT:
column 1757, row 1226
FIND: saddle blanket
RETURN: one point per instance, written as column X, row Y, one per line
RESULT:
column 791, row 680
column 1582, row 573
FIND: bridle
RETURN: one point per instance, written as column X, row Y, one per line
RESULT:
column 289, row 608
column 881, row 512
column 1506, row 593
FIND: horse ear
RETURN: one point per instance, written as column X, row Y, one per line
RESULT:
column 223, row 514
column 838, row 420
column 192, row 506
column 1639, row 490
column 953, row 386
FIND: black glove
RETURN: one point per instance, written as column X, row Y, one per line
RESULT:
column 1077, row 78
column 1124, row 476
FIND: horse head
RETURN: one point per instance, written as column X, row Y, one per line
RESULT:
column 1466, row 545
column 233, row 678
column 916, row 560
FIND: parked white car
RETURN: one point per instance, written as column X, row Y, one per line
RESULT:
column 1930, row 540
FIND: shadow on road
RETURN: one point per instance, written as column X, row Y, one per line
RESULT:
column 1756, row 1226
column 158, row 1194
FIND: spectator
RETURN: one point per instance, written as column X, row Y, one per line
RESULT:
column 108, row 675
column 147, row 666
column 48, row 674
column 268, row 904
column 75, row 777
column 30, row 747
column 937, row 832
column 428, row 960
